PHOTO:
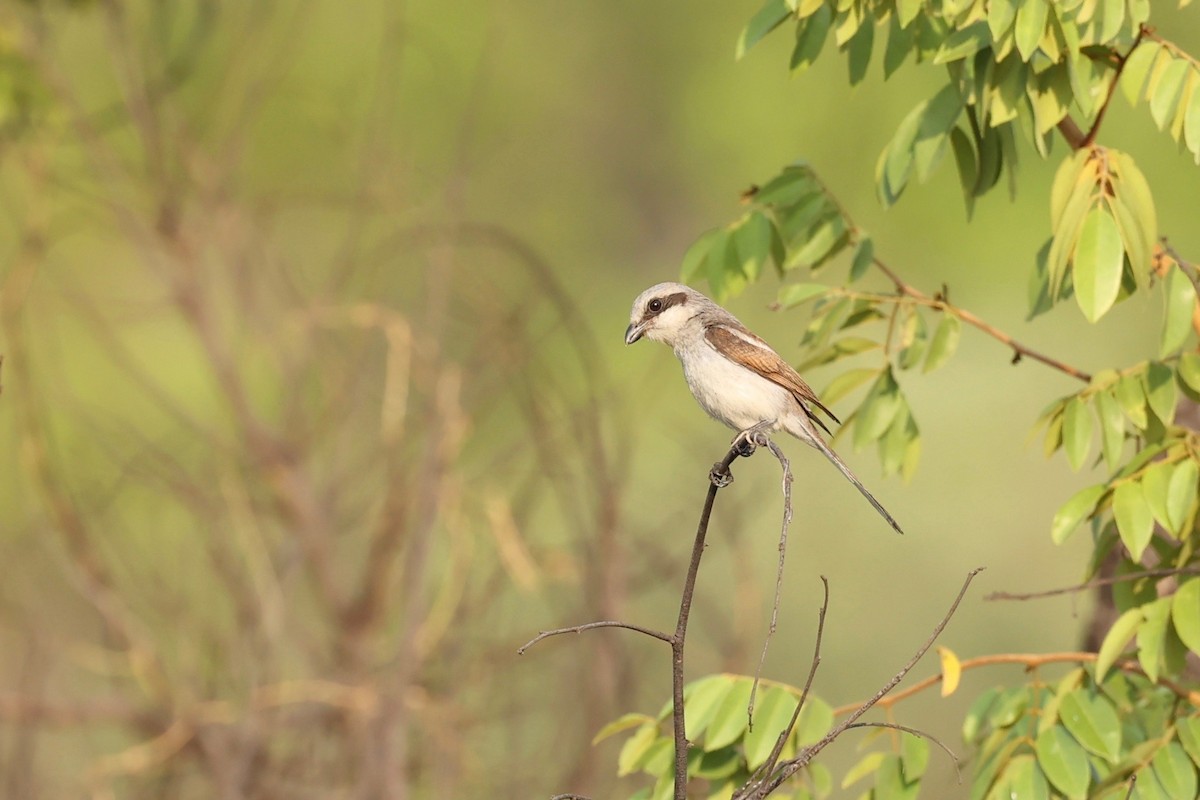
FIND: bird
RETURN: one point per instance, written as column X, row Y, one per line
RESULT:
column 735, row 376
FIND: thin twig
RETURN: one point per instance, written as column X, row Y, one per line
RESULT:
column 1030, row 661
column 1019, row 350
column 608, row 623
column 718, row 477
column 570, row 797
column 794, row 765
column 768, row 766
column 1130, row 576
column 783, row 537
column 920, row 733
column 1093, row 131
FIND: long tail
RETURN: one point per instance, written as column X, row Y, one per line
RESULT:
column 813, row 438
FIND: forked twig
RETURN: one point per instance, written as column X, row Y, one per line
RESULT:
column 790, row 767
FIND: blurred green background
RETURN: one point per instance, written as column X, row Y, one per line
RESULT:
column 316, row 405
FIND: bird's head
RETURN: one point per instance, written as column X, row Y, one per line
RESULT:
column 660, row 312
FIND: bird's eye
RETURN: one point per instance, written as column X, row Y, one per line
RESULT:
column 655, row 306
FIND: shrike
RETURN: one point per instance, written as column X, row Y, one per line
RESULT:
column 734, row 375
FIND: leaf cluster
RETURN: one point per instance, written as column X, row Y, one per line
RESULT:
column 1083, row 738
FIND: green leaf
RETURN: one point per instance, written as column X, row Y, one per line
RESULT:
column 1023, row 779
column 1191, row 125
column 1097, row 264
column 1137, row 70
column 1064, row 761
column 878, row 410
column 1181, row 495
column 816, row 718
column 1074, row 511
column 864, row 257
column 1187, row 729
column 826, row 240
column 715, row 765
column 1185, row 613
column 846, row 383
column 768, row 18
column 752, row 241
column 729, row 721
column 1181, row 301
column 914, row 756
column 1077, row 432
column 1093, row 722
column 1119, row 635
column 858, row 52
column 811, row 34
column 867, row 765
column 1189, row 370
column 907, row 11
column 973, row 722
column 793, row 294
column 1161, row 392
column 1112, row 427
column 1001, row 15
column 1134, row 193
column 701, row 699
column 964, row 161
column 944, row 342
column 1166, row 92
column 932, row 137
column 770, row 718
column 1131, row 395
column 622, row 723
column 693, row 260
column 1031, row 24
column 895, row 163
column 1135, row 522
column 890, row 783
column 1151, row 636
column 963, row 43
column 633, row 752
column 1156, row 484
column 1174, row 771
column 899, row 44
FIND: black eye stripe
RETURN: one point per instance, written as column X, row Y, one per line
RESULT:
column 658, row 305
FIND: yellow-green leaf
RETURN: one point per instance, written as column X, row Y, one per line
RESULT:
column 1185, row 613
column 1113, row 645
column 1135, row 522
column 1097, row 263
column 1077, row 432
column 1181, row 301
column 1074, row 511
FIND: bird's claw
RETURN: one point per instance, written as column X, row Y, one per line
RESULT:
column 749, row 440
column 720, row 476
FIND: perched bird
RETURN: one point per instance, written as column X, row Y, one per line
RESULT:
column 734, row 375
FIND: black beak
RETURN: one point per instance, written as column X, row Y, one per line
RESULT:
column 634, row 332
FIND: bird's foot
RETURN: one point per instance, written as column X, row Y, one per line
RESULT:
column 720, row 476
column 749, row 440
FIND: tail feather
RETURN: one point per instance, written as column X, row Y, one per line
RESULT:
column 813, row 438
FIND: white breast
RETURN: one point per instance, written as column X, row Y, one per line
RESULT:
column 728, row 391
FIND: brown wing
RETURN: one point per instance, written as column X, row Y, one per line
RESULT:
column 757, row 356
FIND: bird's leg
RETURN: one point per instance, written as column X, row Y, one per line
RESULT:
column 747, row 441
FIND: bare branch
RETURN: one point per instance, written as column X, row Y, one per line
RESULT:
column 1081, row 587
column 589, row 626
column 916, row 732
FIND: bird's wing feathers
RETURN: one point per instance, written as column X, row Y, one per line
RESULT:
column 744, row 348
